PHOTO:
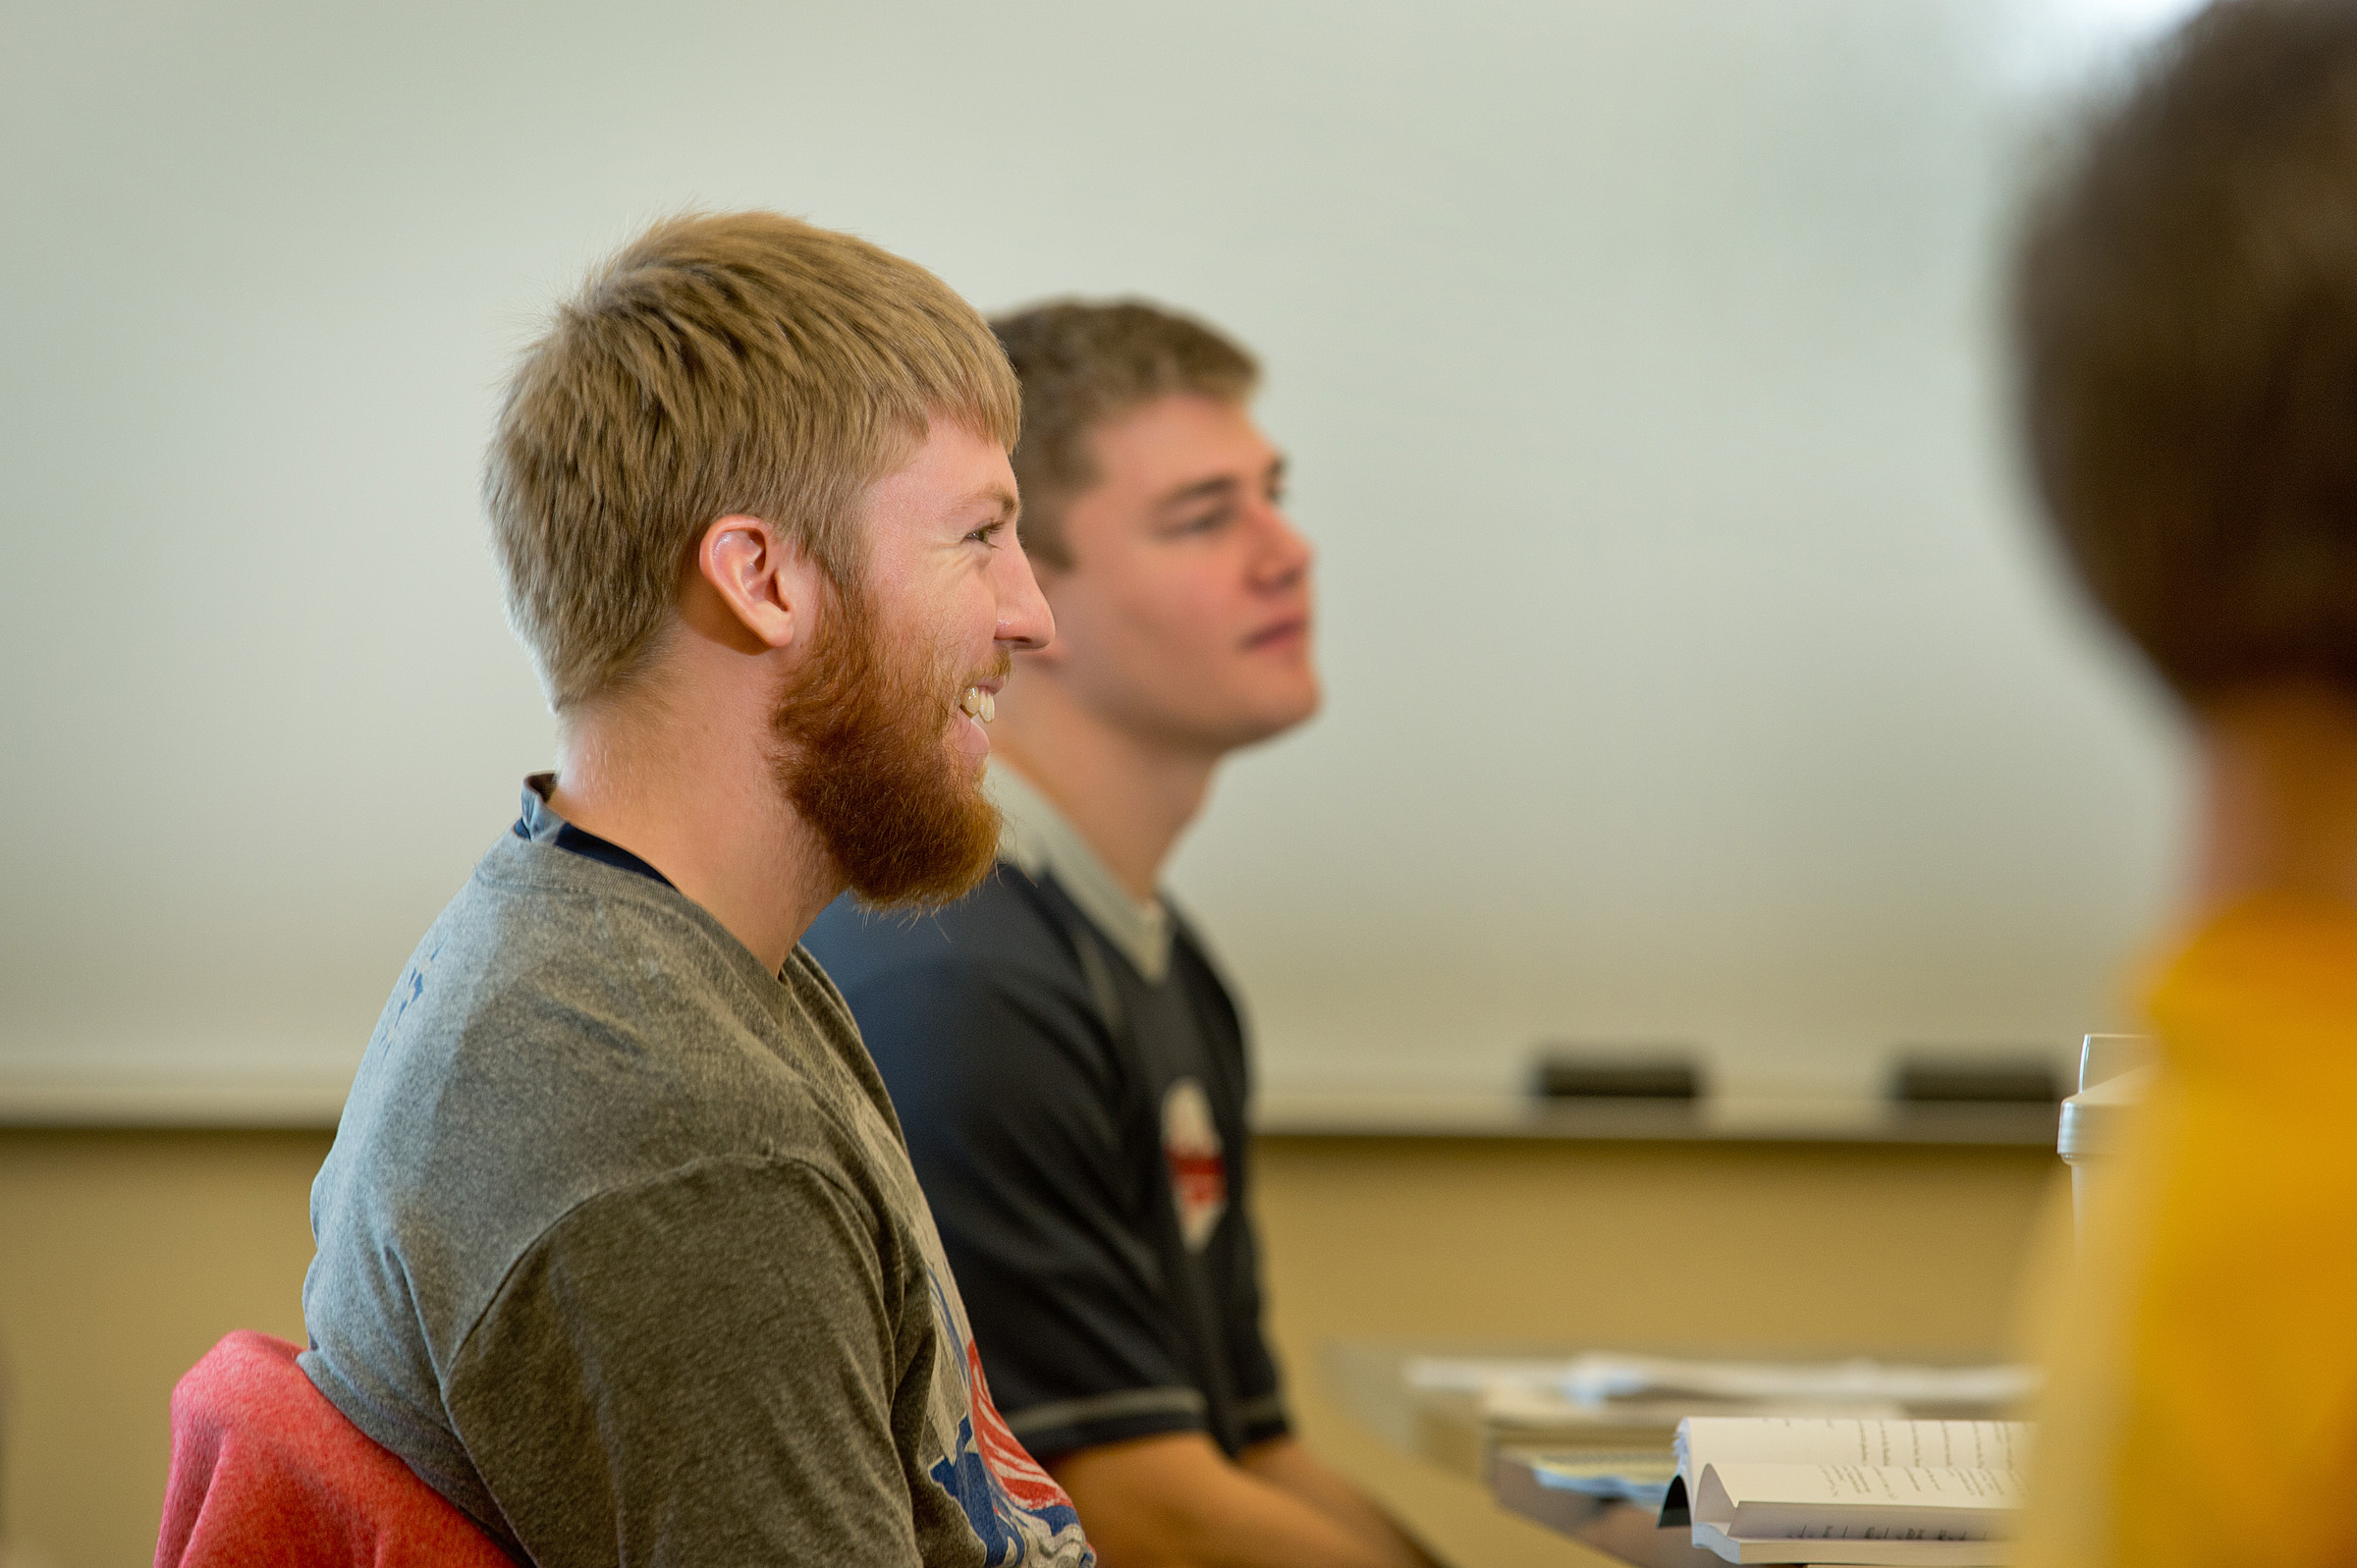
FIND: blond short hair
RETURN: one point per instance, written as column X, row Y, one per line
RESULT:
column 1085, row 363
column 719, row 365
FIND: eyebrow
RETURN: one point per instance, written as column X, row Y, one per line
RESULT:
column 1010, row 504
column 1200, row 490
column 1218, row 485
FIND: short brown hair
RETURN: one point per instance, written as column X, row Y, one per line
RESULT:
column 1082, row 364
column 731, row 363
column 2185, row 313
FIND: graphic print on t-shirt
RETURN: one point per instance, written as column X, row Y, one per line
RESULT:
column 1017, row 1508
column 1198, row 1165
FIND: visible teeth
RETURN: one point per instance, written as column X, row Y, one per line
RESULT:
column 979, row 704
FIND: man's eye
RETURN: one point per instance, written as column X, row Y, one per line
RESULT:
column 987, row 534
column 1206, row 522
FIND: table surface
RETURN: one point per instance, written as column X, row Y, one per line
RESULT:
column 1444, row 1426
column 1447, row 1428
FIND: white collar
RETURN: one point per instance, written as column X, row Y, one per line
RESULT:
column 1035, row 837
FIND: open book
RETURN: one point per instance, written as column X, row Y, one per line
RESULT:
column 1801, row 1489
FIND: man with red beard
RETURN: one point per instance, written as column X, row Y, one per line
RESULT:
column 620, row 1249
column 1066, row 1061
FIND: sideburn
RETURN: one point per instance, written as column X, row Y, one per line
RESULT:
column 862, row 759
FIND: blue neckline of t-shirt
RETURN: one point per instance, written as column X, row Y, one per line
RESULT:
column 589, row 846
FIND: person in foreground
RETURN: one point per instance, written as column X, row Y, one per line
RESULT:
column 2187, row 321
column 1069, row 1064
column 618, row 1245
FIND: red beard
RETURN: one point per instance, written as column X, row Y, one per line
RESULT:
column 864, row 759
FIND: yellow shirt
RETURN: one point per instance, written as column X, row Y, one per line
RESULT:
column 2202, row 1402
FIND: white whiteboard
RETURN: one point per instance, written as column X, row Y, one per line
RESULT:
column 1693, row 670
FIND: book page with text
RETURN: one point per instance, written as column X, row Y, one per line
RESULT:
column 1703, row 1441
column 1857, row 1502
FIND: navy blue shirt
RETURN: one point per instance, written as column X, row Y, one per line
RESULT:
column 1079, row 1133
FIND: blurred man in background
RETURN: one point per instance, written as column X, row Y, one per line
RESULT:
column 2187, row 322
column 1068, row 1064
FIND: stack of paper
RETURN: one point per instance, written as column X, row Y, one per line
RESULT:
column 1565, row 1489
column 1596, row 1379
column 1626, row 1401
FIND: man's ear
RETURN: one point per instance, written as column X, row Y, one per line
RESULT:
column 751, row 586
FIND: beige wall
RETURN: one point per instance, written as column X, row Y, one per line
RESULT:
column 123, row 1256
column 1639, row 1246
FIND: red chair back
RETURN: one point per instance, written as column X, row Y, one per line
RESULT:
column 267, row 1474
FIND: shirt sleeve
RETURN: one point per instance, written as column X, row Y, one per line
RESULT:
column 691, row 1370
column 1004, row 1081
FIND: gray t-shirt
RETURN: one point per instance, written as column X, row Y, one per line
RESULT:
column 621, row 1251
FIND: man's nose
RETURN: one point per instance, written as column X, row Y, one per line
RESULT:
column 1025, row 620
column 1285, row 553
